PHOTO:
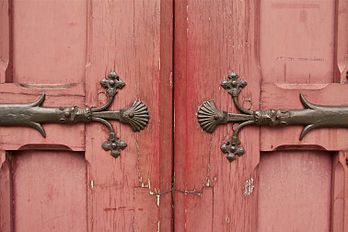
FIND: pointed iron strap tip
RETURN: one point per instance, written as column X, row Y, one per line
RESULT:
column 39, row 101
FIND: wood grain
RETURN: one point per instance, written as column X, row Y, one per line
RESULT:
column 213, row 38
column 131, row 193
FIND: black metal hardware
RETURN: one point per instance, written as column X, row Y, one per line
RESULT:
column 312, row 116
column 33, row 115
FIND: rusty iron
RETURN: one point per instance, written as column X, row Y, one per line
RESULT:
column 34, row 115
column 311, row 117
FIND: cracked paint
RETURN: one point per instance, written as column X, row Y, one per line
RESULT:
column 249, row 187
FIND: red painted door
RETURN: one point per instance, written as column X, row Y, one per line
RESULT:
column 66, row 181
column 281, row 48
column 161, row 182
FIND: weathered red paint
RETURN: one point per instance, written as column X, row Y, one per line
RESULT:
column 211, row 39
column 64, row 48
column 66, row 182
column 281, row 48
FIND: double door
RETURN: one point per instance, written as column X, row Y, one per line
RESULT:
column 172, row 56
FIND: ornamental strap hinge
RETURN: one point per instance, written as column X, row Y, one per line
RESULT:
column 34, row 114
column 311, row 117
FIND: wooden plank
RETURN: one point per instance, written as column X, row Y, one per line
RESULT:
column 213, row 38
column 341, row 46
column 339, row 193
column 134, row 39
column 5, row 40
column 6, row 203
column 9, row 89
column 187, row 203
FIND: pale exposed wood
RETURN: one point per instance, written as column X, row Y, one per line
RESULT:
column 213, row 38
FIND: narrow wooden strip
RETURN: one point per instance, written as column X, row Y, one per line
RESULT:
column 53, row 89
column 341, row 45
column 5, row 40
column 6, row 209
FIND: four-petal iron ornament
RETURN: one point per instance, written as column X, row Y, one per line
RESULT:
column 34, row 114
column 311, row 117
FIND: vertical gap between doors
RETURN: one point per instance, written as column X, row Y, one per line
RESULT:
column 173, row 119
column 9, row 70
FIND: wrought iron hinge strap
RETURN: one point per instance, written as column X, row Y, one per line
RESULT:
column 311, row 117
column 34, row 114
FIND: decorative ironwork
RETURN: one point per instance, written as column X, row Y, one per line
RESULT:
column 34, row 114
column 311, row 117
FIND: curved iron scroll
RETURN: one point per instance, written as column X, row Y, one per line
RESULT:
column 311, row 117
column 33, row 115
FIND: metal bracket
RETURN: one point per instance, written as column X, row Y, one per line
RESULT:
column 33, row 115
column 311, row 117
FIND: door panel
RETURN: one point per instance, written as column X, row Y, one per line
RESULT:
column 131, row 193
column 295, row 186
column 51, row 32
column 211, row 39
column 63, row 49
column 282, row 49
column 66, row 182
column 297, row 41
column 49, row 196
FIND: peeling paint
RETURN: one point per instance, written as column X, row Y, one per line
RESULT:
column 171, row 79
column 155, row 192
column 92, row 184
column 249, row 187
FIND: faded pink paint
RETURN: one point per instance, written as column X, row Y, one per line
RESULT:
column 49, row 191
column 281, row 48
column 64, row 48
column 295, row 191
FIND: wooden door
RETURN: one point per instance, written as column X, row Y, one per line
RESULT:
column 66, row 181
column 281, row 48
